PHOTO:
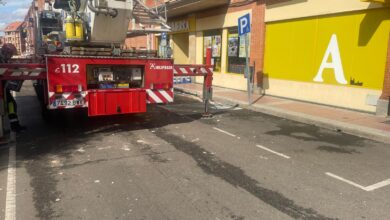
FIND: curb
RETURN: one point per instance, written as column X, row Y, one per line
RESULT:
column 361, row 131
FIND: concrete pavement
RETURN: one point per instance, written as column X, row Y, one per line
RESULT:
column 343, row 120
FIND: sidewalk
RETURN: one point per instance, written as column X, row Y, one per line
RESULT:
column 348, row 121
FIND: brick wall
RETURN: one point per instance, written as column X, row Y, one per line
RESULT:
column 136, row 42
column 386, row 85
column 258, row 40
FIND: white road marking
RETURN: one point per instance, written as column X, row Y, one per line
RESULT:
column 365, row 188
column 345, row 180
column 272, row 151
column 378, row 185
column 10, row 202
column 225, row 132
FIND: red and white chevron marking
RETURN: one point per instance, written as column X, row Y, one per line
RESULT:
column 191, row 70
column 159, row 96
column 68, row 100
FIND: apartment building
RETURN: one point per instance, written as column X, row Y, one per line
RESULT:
column 13, row 34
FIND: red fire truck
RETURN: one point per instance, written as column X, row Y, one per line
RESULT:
column 80, row 63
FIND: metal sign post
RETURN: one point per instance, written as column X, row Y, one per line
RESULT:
column 247, row 72
column 164, row 44
column 244, row 28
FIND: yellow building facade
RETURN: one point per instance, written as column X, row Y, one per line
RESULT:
column 327, row 51
column 214, row 28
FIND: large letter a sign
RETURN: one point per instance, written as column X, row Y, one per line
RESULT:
column 336, row 64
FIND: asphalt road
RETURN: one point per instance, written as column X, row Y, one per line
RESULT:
column 171, row 164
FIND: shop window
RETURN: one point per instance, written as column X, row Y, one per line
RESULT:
column 213, row 39
column 236, row 52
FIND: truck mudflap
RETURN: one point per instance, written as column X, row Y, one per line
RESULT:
column 114, row 102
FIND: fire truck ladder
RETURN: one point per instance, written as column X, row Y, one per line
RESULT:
column 150, row 20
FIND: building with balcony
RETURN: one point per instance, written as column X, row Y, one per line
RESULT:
column 13, row 35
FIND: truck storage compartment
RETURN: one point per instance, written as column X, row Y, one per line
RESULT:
column 116, row 101
column 115, row 76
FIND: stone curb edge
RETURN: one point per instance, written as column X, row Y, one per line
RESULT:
column 370, row 133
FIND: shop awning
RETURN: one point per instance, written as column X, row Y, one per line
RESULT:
column 183, row 7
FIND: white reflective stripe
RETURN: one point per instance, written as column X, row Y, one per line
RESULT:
column 17, row 73
column 51, row 94
column 166, row 95
column 84, row 94
column 2, row 70
column 203, row 70
column 183, row 70
column 69, row 106
column 192, row 70
column 13, row 120
column 174, row 71
column 154, row 96
column 35, row 73
column 147, row 101
column 66, row 95
column 211, row 69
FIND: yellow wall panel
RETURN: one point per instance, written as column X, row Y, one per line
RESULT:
column 295, row 48
column 293, row 9
column 180, row 48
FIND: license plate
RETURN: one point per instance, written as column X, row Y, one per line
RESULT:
column 68, row 103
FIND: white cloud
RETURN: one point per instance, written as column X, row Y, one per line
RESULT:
column 20, row 13
column 18, row 3
column 13, row 10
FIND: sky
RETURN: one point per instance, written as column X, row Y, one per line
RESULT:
column 13, row 10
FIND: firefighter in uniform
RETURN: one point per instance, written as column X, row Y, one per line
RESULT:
column 12, row 112
column 6, row 52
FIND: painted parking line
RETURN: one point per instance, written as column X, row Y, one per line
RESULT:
column 365, row 188
column 272, row 151
column 225, row 132
column 10, row 202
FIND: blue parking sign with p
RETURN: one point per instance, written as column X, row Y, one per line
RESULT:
column 163, row 36
column 244, row 24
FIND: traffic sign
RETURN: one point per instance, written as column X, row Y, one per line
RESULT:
column 163, row 36
column 244, row 24
column 244, row 27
